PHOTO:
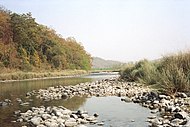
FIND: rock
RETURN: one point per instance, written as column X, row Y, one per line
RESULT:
column 70, row 122
column 3, row 104
column 41, row 125
column 64, row 96
column 91, row 118
column 181, row 115
column 59, row 114
column 36, row 120
column 53, row 124
column 17, row 112
column 19, row 100
column 181, row 94
column 82, row 121
column 60, row 120
column 176, row 122
column 96, row 115
column 82, row 126
column 66, row 112
column 163, row 97
column 61, row 125
column 84, row 116
column 154, row 111
column 7, row 100
column 25, row 104
column 74, row 116
column 126, row 99
column 154, row 94
column 20, row 120
column 46, row 116
column 100, row 124
column 156, row 123
column 47, row 123
column 187, row 124
column 93, row 122
column 151, row 117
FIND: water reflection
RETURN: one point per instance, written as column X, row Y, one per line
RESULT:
column 13, row 90
column 110, row 109
column 115, row 113
column 18, row 89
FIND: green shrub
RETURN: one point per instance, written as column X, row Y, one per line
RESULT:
column 175, row 73
column 143, row 71
column 171, row 73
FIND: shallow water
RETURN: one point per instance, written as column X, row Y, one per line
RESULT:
column 110, row 109
column 116, row 113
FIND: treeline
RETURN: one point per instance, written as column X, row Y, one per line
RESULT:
column 170, row 74
column 26, row 45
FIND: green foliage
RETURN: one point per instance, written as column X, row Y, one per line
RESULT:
column 171, row 73
column 30, row 45
column 143, row 71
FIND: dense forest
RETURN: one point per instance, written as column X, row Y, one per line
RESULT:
column 27, row 45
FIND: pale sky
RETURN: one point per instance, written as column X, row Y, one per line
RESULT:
column 124, row 30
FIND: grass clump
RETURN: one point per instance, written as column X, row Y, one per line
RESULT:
column 143, row 71
column 171, row 73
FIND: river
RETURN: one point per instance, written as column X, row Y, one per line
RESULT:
column 112, row 111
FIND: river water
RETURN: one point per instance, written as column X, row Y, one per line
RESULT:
column 112, row 111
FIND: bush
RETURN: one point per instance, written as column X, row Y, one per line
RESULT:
column 171, row 73
column 175, row 73
column 143, row 71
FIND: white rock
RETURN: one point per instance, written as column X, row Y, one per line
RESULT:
column 36, row 120
column 46, row 116
column 70, row 122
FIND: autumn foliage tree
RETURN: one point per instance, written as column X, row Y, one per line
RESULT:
column 25, row 45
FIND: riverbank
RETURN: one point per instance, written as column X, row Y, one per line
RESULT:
column 22, row 76
column 166, row 110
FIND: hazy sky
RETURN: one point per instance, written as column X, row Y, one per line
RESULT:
column 124, row 30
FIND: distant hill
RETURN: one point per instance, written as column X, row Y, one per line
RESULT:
column 102, row 63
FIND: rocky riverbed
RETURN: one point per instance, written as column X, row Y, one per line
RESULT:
column 166, row 111
column 108, row 87
column 56, row 117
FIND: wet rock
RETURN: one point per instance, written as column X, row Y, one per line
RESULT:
column 126, row 99
column 91, row 118
column 181, row 115
column 151, row 117
column 96, row 115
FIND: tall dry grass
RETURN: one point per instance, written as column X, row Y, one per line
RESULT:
column 171, row 73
